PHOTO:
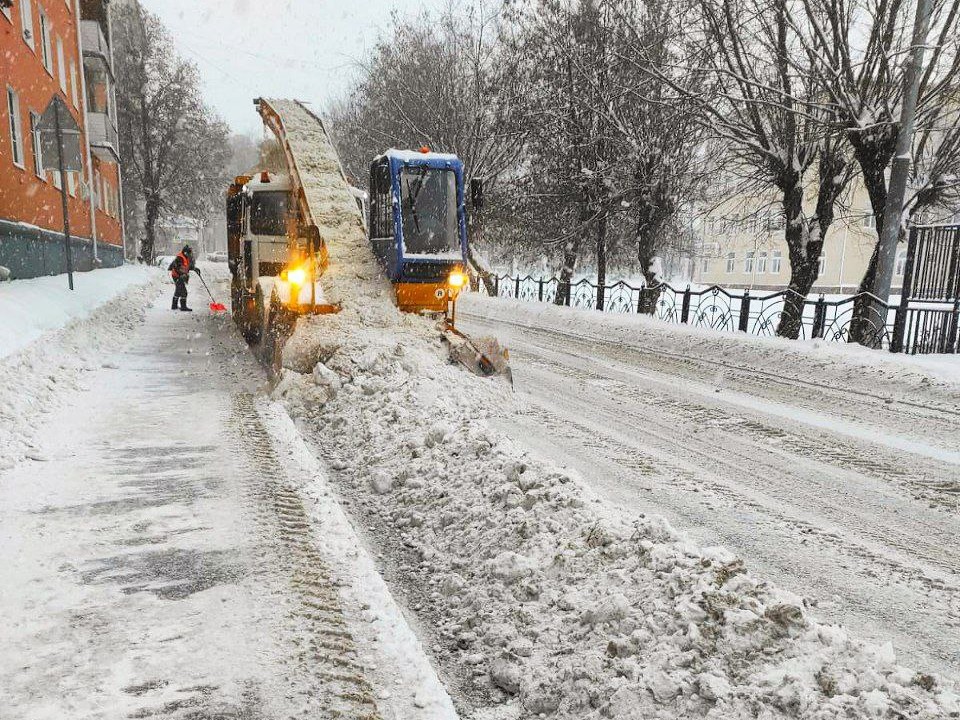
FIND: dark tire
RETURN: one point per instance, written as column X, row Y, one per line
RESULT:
column 251, row 317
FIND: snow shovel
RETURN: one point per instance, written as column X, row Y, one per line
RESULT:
column 214, row 305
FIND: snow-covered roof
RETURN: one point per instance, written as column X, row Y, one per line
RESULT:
column 278, row 181
column 413, row 155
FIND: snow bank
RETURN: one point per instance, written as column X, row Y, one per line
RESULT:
column 774, row 353
column 533, row 603
column 30, row 308
column 54, row 336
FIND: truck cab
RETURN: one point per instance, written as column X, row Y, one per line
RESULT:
column 273, row 257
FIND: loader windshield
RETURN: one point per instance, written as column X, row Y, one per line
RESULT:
column 429, row 212
column 269, row 212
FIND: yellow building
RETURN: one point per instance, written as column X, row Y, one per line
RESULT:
column 750, row 252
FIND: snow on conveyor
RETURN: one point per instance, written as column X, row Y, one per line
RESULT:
column 353, row 278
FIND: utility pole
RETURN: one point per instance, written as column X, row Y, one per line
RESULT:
column 60, row 151
column 899, row 172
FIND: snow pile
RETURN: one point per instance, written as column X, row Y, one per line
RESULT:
column 49, row 340
column 532, row 601
column 32, row 307
column 852, row 365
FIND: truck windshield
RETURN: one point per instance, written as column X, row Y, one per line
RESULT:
column 269, row 212
column 428, row 201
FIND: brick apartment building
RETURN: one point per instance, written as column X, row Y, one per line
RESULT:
column 49, row 47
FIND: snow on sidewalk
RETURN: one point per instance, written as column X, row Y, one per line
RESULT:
column 30, row 308
column 529, row 599
column 51, row 338
column 162, row 561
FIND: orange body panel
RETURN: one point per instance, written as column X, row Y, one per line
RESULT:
column 414, row 297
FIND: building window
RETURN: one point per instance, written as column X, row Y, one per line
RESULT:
column 870, row 221
column 26, row 23
column 37, row 149
column 72, row 183
column 762, row 262
column 97, row 195
column 61, row 66
column 731, row 262
column 46, row 49
column 775, row 262
column 821, row 265
column 901, row 263
column 74, row 89
column 748, row 263
column 704, row 265
column 57, row 179
column 16, row 135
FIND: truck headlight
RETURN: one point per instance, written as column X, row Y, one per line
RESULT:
column 297, row 276
column 457, row 279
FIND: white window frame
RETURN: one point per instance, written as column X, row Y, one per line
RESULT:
column 762, row 262
column 97, row 192
column 731, row 262
column 901, row 266
column 56, row 179
column 15, row 127
column 26, row 23
column 61, row 65
column 748, row 262
column 821, row 265
column 775, row 261
column 74, row 85
column 71, row 184
column 870, row 221
column 46, row 47
column 37, row 148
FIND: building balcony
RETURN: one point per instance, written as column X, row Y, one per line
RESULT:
column 94, row 42
column 104, row 141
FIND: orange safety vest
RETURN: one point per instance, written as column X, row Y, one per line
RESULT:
column 184, row 268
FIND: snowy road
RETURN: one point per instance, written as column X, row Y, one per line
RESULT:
column 847, row 494
column 160, row 559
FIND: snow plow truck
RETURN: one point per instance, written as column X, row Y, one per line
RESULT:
column 296, row 221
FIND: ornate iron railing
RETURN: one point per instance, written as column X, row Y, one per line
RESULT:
column 929, row 329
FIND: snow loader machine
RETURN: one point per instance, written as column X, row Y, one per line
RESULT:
column 296, row 217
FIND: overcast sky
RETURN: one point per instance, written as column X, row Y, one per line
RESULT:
column 304, row 49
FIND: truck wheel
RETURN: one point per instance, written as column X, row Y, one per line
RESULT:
column 252, row 323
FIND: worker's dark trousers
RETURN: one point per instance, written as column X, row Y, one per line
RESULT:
column 180, row 293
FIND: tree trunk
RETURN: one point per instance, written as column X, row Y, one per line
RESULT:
column 650, row 294
column 149, row 244
column 804, row 243
column 601, row 259
column 873, row 157
column 566, row 273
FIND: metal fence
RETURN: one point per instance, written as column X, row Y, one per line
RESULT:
column 739, row 310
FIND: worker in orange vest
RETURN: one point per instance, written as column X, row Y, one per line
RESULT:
column 180, row 269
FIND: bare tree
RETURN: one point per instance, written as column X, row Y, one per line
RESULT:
column 857, row 52
column 438, row 81
column 174, row 149
column 777, row 139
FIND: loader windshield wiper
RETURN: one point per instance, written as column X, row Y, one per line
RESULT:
column 412, row 195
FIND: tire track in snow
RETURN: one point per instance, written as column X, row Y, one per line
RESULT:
column 840, row 500
column 329, row 676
